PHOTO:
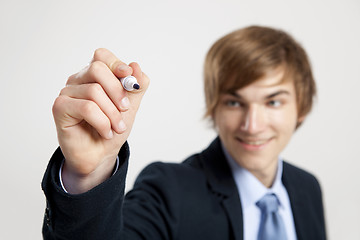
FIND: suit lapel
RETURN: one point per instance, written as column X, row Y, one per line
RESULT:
column 222, row 184
column 233, row 208
column 298, row 200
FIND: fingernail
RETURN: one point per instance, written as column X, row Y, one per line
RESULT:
column 125, row 103
column 122, row 126
column 123, row 67
column 110, row 135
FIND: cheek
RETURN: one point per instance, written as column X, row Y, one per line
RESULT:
column 226, row 121
column 284, row 121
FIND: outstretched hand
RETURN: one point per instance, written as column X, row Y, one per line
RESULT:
column 94, row 115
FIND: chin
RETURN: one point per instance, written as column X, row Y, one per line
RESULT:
column 252, row 163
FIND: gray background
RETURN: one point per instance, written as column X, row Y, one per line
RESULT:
column 43, row 42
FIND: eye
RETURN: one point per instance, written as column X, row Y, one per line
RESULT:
column 275, row 103
column 233, row 103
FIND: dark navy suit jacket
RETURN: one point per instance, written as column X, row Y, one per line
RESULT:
column 196, row 199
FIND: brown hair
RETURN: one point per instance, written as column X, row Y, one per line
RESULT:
column 246, row 55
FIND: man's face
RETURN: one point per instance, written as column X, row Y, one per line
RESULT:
column 256, row 122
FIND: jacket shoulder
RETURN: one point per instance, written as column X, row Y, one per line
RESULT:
column 166, row 173
column 299, row 176
column 306, row 200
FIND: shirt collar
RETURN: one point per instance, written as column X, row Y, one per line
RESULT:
column 250, row 188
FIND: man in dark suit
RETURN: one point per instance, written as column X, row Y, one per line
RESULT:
column 258, row 88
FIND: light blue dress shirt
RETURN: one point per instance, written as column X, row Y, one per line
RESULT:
column 252, row 190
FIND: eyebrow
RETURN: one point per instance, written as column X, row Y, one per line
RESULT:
column 277, row 93
column 272, row 95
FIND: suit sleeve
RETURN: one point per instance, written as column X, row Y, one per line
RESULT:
column 152, row 208
column 149, row 211
column 96, row 214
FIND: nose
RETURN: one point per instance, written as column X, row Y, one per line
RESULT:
column 254, row 120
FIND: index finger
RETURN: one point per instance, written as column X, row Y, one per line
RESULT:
column 119, row 68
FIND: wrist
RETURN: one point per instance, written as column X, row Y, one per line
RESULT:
column 75, row 183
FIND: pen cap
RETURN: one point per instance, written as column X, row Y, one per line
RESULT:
column 129, row 82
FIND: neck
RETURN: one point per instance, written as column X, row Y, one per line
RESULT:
column 266, row 177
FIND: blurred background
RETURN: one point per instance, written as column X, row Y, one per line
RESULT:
column 43, row 42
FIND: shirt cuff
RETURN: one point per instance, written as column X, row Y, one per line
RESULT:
column 62, row 164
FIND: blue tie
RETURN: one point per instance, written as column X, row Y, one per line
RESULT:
column 271, row 226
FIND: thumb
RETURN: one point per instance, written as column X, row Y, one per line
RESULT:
column 143, row 81
column 135, row 97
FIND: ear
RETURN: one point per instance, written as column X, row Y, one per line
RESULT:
column 301, row 119
column 213, row 123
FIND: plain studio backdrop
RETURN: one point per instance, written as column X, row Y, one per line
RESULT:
column 43, row 42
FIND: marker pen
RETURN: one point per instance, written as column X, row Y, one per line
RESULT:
column 129, row 83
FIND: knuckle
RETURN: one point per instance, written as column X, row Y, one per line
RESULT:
column 63, row 91
column 96, row 68
column 58, row 104
column 100, row 53
column 95, row 89
column 88, row 107
column 71, row 78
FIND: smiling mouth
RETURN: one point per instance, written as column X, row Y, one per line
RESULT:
column 254, row 142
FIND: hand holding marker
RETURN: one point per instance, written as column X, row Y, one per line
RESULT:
column 129, row 83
